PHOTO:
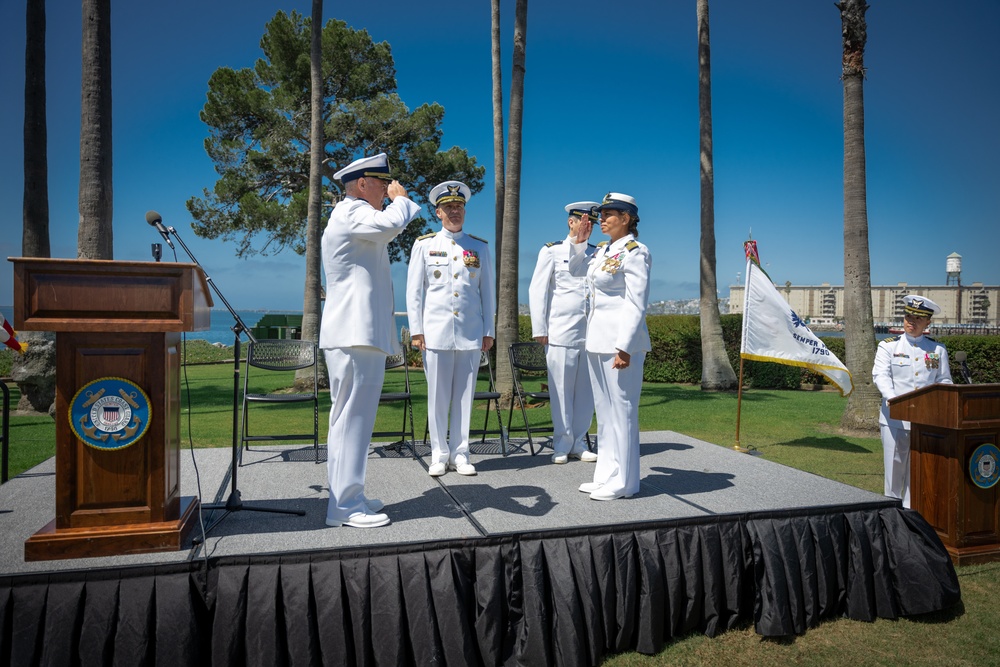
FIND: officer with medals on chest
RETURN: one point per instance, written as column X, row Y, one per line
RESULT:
column 902, row 364
column 451, row 306
column 558, row 301
column 617, row 341
column 358, row 330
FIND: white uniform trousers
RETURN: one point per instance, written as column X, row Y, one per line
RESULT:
column 896, row 457
column 451, row 383
column 616, row 400
column 571, row 398
column 356, row 375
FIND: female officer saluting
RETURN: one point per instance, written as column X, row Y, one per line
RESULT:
column 617, row 341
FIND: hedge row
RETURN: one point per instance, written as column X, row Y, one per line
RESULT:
column 676, row 354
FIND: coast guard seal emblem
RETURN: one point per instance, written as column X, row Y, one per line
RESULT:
column 109, row 413
column 983, row 466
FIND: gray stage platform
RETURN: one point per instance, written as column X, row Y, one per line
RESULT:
column 681, row 478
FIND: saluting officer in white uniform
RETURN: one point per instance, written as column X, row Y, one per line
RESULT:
column 358, row 329
column 617, row 342
column 450, row 304
column 904, row 363
column 558, row 302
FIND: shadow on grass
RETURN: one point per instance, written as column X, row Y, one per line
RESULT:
column 830, row 444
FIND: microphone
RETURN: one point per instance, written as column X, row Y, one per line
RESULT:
column 154, row 219
column 960, row 357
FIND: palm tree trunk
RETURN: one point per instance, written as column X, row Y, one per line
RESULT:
column 35, row 370
column 716, row 371
column 507, row 295
column 314, row 227
column 95, row 238
column 498, row 161
column 35, row 213
column 861, row 412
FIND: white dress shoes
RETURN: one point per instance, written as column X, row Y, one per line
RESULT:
column 586, row 456
column 560, row 458
column 607, row 494
column 361, row 520
column 437, row 469
column 590, row 487
column 462, row 468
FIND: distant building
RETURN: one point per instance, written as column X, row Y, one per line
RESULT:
column 823, row 305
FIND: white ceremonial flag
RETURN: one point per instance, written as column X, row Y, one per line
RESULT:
column 773, row 332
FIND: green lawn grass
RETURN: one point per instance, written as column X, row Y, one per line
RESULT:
column 794, row 428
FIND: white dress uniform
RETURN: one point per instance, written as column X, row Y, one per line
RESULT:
column 450, row 301
column 356, row 334
column 558, row 302
column 618, row 276
column 904, row 363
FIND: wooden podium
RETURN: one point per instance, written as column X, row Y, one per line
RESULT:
column 117, row 324
column 950, row 424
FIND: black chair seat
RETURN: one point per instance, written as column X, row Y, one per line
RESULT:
column 391, row 396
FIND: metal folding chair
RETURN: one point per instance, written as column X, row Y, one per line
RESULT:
column 405, row 397
column 527, row 358
column 277, row 355
column 490, row 395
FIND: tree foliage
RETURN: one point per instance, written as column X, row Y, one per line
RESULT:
column 259, row 136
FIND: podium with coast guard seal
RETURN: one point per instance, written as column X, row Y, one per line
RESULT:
column 118, row 332
column 954, row 455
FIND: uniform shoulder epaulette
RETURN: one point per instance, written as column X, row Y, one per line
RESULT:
column 591, row 245
column 601, row 244
column 552, row 243
column 930, row 338
column 427, row 236
column 631, row 245
column 477, row 238
column 890, row 339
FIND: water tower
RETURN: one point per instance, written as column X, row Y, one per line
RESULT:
column 953, row 265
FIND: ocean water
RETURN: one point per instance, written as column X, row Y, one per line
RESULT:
column 220, row 329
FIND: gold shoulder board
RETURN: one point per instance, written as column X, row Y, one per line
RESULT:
column 427, row 236
column 477, row 238
column 631, row 245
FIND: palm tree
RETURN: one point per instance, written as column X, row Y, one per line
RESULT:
column 35, row 216
column 716, row 371
column 314, row 230
column 95, row 237
column 507, row 295
column 861, row 412
column 498, row 161
column 35, row 371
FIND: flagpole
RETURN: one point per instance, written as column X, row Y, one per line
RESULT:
column 739, row 405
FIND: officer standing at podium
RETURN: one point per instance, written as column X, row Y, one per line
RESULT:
column 902, row 364
column 558, row 301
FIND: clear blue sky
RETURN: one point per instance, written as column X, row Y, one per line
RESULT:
column 611, row 103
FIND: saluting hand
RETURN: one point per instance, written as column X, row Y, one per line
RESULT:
column 583, row 229
column 395, row 190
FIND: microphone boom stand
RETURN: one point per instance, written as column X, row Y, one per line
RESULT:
column 234, row 503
